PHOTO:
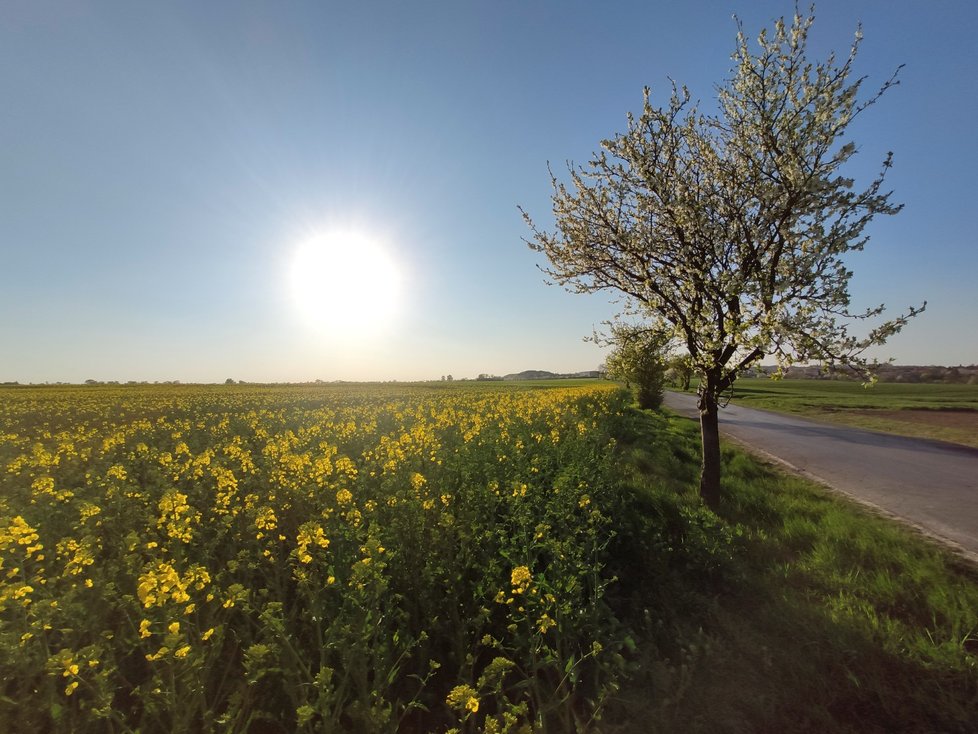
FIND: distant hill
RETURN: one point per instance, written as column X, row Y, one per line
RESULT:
column 545, row 375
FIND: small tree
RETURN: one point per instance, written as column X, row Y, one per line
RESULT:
column 732, row 229
column 638, row 358
column 679, row 371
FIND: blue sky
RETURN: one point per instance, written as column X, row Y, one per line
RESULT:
column 161, row 163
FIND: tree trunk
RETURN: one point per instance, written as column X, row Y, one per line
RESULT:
column 710, row 432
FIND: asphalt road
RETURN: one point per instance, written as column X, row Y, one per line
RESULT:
column 930, row 484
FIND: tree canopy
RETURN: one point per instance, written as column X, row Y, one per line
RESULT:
column 638, row 357
column 731, row 230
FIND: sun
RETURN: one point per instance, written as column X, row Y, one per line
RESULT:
column 345, row 285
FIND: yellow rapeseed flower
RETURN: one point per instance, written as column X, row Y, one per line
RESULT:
column 158, row 654
column 520, row 579
column 310, row 534
column 176, row 516
column 463, row 698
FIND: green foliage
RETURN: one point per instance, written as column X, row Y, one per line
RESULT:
column 679, row 371
column 639, row 357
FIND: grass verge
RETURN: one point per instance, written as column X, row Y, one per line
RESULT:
column 796, row 611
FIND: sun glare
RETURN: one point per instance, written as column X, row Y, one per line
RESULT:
column 345, row 285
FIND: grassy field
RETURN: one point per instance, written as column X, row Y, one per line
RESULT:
column 447, row 558
column 944, row 412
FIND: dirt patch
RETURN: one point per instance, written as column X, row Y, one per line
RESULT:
column 955, row 426
column 963, row 420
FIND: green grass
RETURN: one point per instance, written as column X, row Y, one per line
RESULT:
column 808, row 395
column 803, row 612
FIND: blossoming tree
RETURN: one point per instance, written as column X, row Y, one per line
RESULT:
column 730, row 230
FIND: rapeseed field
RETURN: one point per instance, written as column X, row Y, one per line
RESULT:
column 306, row 558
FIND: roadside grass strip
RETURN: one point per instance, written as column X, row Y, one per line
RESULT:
column 828, row 618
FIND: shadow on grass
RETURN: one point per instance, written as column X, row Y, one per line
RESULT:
column 811, row 615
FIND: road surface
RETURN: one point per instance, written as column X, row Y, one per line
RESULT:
column 930, row 484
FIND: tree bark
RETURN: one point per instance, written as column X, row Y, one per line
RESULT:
column 710, row 433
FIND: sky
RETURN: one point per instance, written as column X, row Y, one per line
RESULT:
column 162, row 164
